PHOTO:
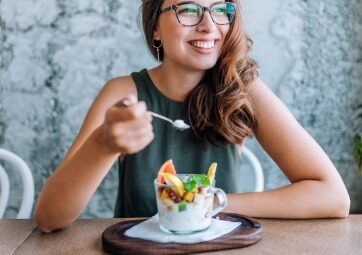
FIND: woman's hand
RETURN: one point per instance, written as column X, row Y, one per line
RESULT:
column 127, row 129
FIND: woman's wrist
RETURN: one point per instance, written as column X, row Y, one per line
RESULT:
column 102, row 144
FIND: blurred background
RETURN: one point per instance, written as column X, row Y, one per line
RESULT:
column 56, row 55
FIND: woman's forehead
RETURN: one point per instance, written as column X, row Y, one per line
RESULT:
column 201, row 2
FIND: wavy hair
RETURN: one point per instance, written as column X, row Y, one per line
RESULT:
column 219, row 108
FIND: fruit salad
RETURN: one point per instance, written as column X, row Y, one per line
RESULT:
column 184, row 200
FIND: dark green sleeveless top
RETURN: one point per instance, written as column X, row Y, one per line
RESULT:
column 136, row 194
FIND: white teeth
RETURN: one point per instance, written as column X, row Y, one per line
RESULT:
column 203, row 44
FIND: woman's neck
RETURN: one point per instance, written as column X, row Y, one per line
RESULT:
column 175, row 83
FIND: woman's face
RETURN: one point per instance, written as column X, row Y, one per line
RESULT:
column 196, row 47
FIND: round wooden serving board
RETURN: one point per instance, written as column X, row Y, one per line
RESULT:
column 115, row 242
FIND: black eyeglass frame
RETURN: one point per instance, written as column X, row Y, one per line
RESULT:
column 175, row 6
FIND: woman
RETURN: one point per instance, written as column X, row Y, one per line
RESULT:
column 207, row 79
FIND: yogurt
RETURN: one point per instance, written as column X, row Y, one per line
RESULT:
column 184, row 217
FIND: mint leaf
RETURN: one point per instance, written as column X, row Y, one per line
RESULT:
column 203, row 180
column 182, row 206
column 190, row 185
column 196, row 180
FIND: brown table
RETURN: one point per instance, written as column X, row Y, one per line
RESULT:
column 335, row 236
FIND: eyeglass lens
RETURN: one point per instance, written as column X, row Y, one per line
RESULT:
column 190, row 14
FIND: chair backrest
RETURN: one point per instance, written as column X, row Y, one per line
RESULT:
column 27, row 201
column 257, row 169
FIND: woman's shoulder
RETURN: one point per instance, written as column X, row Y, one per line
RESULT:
column 260, row 93
column 124, row 82
column 119, row 81
column 121, row 85
column 114, row 90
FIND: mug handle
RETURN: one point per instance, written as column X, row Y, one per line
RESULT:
column 222, row 202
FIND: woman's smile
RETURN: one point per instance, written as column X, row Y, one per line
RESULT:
column 204, row 47
column 203, row 44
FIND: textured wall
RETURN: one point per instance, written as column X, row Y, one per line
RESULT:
column 55, row 56
column 311, row 55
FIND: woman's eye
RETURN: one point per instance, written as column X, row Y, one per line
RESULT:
column 189, row 11
column 219, row 10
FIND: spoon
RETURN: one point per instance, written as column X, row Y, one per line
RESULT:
column 177, row 124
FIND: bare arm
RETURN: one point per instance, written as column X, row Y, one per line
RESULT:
column 316, row 189
column 107, row 132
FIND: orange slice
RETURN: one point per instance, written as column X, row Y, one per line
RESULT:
column 166, row 167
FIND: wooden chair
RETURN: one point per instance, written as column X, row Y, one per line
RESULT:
column 27, row 201
column 256, row 166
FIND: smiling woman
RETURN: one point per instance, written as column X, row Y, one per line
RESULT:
column 207, row 78
column 210, row 41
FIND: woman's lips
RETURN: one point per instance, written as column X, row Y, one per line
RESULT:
column 203, row 44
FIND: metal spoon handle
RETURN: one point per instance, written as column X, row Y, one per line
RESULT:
column 161, row 117
column 178, row 124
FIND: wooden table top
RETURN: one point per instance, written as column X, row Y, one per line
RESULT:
column 317, row 236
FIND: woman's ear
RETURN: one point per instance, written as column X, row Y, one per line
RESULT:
column 156, row 33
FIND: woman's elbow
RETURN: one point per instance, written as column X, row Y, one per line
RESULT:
column 344, row 208
column 44, row 222
column 341, row 203
column 48, row 221
column 44, row 227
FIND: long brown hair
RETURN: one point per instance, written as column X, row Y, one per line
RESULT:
column 218, row 108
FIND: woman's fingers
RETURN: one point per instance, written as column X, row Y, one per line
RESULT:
column 135, row 138
column 127, row 101
column 134, row 110
column 127, row 126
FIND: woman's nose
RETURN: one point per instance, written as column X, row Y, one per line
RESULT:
column 206, row 24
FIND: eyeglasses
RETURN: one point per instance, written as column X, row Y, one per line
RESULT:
column 191, row 14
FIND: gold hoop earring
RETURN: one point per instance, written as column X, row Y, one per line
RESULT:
column 157, row 44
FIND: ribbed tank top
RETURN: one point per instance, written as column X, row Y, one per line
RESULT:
column 136, row 194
